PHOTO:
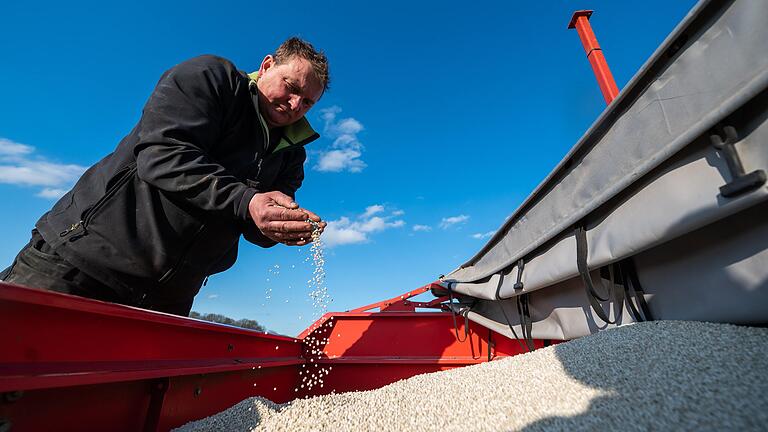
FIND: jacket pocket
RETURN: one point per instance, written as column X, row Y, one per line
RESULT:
column 113, row 186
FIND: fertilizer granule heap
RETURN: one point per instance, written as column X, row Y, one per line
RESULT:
column 665, row 375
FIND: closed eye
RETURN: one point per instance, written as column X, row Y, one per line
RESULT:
column 295, row 89
column 292, row 87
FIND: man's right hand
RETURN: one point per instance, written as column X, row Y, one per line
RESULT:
column 280, row 219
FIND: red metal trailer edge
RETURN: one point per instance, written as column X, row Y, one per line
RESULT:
column 83, row 364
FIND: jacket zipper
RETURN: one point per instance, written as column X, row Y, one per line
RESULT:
column 87, row 216
column 244, row 171
column 265, row 130
column 173, row 270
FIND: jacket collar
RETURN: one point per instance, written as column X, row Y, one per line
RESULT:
column 299, row 133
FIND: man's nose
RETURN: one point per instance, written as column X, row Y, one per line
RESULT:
column 295, row 102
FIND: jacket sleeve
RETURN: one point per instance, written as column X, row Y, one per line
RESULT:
column 288, row 182
column 180, row 124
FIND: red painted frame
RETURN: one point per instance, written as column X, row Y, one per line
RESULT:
column 83, row 364
column 87, row 364
column 580, row 21
column 401, row 302
column 367, row 350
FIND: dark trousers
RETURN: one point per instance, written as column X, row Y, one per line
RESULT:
column 38, row 266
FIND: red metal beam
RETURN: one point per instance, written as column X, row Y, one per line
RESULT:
column 84, row 338
column 580, row 21
column 80, row 363
column 77, row 363
column 399, row 303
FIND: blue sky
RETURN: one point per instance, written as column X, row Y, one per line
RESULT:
column 442, row 117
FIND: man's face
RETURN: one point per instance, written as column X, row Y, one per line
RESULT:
column 286, row 91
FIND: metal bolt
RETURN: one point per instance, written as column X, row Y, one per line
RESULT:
column 198, row 390
column 230, row 347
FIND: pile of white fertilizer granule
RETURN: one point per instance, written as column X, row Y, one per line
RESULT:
column 664, row 376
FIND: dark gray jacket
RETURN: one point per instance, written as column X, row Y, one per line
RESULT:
column 167, row 207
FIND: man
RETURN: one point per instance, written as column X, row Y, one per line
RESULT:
column 216, row 154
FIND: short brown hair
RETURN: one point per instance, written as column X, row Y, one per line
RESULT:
column 296, row 47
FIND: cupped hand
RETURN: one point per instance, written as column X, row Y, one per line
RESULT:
column 280, row 219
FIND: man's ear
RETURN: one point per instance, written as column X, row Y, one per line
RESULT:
column 267, row 63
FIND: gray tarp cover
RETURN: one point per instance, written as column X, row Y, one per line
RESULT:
column 714, row 62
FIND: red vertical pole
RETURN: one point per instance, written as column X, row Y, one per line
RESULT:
column 580, row 21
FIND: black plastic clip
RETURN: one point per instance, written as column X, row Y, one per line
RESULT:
column 740, row 181
column 520, row 266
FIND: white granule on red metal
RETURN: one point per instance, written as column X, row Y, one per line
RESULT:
column 667, row 375
column 312, row 373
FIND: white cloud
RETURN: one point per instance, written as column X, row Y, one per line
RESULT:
column 373, row 224
column 483, row 235
column 453, row 220
column 329, row 114
column 422, row 228
column 338, row 233
column 348, row 231
column 20, row 166
column 349, row 126
column 340, row 160
column 345, row 152
column 398, row 213
column 39, row 173
column 372, row 210
column 213, row 296
column 10, row 148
